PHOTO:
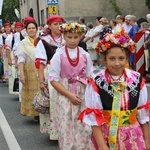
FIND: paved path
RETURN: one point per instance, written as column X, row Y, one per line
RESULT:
column 17, row 131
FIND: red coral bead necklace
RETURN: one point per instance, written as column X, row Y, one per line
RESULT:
column 73, row 62
column 58, row 38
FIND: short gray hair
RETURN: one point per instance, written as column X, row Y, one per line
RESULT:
column 148, row 16
column 127, row 17
column 132, row 18
column 144, row 25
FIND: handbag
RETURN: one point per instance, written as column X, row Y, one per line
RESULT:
column 16, row 83
column 1, row 66
column 41, row 102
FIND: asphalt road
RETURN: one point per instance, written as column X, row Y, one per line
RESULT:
column 21, row 132
column 25, row 130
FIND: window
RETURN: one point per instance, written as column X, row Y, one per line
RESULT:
column 31, row 12
column 20, row 2
column 42, row 16
column 47, row 12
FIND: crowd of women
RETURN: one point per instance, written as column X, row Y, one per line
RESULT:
column 87, row 111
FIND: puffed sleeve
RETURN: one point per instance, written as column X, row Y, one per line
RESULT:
column 40, row 53
column 21, row 55
column 91, row 33
column 54, row 73
column 92, row 115
column 16, row 42
column 8, row 42
column 143, row 114
column 89, row 65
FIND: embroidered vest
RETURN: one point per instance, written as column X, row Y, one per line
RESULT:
column 50, row 49
column 106, row 93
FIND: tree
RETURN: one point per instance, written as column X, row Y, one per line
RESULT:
column 116, row 7
column 8, row 13
column 148, row 3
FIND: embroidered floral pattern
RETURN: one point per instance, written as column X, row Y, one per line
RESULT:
column 132, row 83
column 127, row 137
column 129, row 117
column 29, row 90
column 72, row 133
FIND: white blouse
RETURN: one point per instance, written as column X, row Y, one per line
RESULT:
column 40, row 50
column 89, row 33
column 16, row 42
column 22, row 56
column 1, row 39
column 55, row 68
column 8, row 41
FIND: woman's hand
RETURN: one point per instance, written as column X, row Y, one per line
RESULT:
column 16, row 66
column 42, row 86
column 9, row 62
column 75, row 100
column 147, row 144
column 106, row 148
column 22, row 78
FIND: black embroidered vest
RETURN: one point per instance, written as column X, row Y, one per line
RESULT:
column 49, row 49
column 106, row 93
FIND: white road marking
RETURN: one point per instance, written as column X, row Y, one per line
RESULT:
column 8, row 134
column 147, row 84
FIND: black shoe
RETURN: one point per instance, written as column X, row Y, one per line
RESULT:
column 3, row 80
column 36, row 119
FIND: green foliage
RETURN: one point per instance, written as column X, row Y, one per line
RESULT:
column 8, row 13
column 148, row 3
column 116, row 7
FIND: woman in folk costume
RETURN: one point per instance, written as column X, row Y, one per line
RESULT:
column 10, row 46
column 116, row 99
column 70, row 67
column 6, row 69
column 28, row 72
column 26, row 20
column 46, row 46
column 19, row 36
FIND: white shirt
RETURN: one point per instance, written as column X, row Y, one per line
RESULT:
column 89, row 33
column 56, row 63
column 40, row 50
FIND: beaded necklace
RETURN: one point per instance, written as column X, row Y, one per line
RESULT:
column 73, row 62
column 58, row 43
column 110, row 79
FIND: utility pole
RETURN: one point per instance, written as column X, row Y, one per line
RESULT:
column 38, row 14
column 1, row 4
